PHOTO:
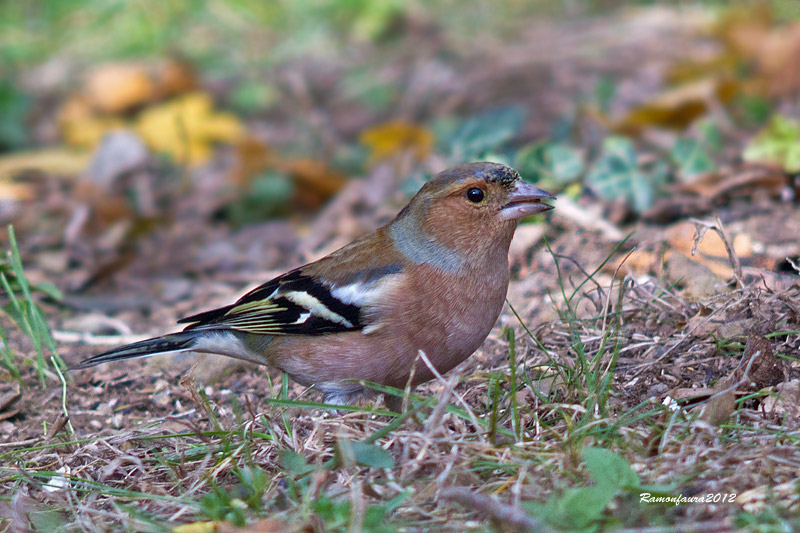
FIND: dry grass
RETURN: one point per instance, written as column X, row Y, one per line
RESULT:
column 474, row 448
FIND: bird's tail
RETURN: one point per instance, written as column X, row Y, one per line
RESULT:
column 176, row 342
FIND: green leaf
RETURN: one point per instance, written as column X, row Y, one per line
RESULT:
column 574, row 510
column 582, row 509
column 609, row 469
column 335, row 515
column 14, row 106
column 756, row 109
column 710, row 135
column 375, row 93
column 365, row 454
column 47, row 520
column 549, row 162
column 294, row 463
column 691, row 157
column 778, row 142
column 617, row 174
column 604, row 91
column 250, row 97
column 477, row 135
column 269, row 196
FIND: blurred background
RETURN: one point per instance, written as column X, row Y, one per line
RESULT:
column 157, row 158
column 198, row 137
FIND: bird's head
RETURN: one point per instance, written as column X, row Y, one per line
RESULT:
column 482, row 191
column 471, row 207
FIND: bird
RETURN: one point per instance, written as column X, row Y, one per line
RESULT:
column 434, row 279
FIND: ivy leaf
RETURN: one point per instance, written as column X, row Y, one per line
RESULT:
column 691, row 157
column 14, row 106
column 778, row 142
column 549, row 162
column 617, row 174
column 477, row 135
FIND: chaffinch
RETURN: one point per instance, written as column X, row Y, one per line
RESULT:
column 433, row 279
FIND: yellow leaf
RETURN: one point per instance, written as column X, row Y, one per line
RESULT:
column 57, row 161
column 185, row 128
column 391, row 138
column 116, row 87
column 80, row 127
column 196, row 527
column 678, row 107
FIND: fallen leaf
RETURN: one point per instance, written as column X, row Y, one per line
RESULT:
column 778, row 142
column 763, row 368
column 786, row 400
column 480, row 134
column 197, row 527
column 618, row 174
column 80, row 127
column 119, row 153
column 778, row 58
column 691, row 157
column 553, row 162
column 677, row 108
column 11, row 190
column 784, row 494
column 391, row 138
column 253, row 156
column 315, row 182
column 49, row 161
column 8, row 401
column 117, row 87
column 709, row 249
column 187, row 127
column 700, row 281
column 174, row 77
column 720, row 405
column 269, row 525
column 758, row 368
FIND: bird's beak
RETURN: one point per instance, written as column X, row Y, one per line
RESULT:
column 525, row 200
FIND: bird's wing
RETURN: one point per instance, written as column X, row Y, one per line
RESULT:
column 298, row 303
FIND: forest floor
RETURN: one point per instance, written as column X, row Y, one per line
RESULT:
column 646, row 348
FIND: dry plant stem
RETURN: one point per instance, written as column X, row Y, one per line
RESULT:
column 506, row 515
column 460, row 398
column 407, row 388
column 699, row 527
column 700, row 228
column 438, row 412
column 610, row 289
column 357, row 506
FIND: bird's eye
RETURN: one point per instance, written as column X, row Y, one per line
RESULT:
column 475, row 195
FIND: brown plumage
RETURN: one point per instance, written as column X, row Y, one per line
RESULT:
column 434, row 279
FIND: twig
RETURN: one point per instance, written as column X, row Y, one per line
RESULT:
column 500, row 512
column 700, row 229
column 458, row 397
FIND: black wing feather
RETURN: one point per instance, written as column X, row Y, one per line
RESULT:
column 265, row 311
